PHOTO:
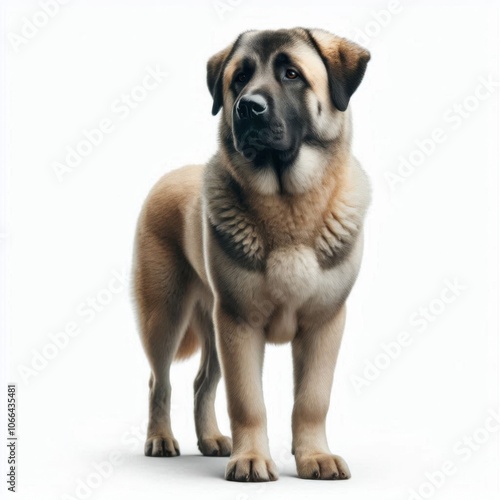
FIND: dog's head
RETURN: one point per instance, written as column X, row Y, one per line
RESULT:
column 280, row 91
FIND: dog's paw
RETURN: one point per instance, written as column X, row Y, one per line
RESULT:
column 322, row 466
column 251, row 467
column 161, row 446
column 218, row 446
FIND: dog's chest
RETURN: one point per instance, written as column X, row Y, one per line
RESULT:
column 300, row 291
column 292, row 277
column 292, row 273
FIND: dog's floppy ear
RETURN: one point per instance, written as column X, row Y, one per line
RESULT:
column 215, row 70
column 345, row 63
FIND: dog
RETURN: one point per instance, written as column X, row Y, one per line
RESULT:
column 261, row 245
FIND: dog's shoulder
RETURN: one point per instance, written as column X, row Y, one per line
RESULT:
column 167, row 206
column 343, row 218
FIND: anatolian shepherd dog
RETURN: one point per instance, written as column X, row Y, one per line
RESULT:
column 263, row 244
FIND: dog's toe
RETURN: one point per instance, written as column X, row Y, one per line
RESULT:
column 322, row 466
column 251, row 468
column 161, row 446
column 219, row 446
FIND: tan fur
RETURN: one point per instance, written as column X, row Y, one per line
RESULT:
column 226, row 262
column 188, row 346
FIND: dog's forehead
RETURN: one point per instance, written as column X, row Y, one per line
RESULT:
column 264, row 44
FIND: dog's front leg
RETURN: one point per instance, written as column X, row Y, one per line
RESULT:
column 315, row 353
column 241, row 348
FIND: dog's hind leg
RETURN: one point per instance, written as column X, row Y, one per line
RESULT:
column 163, row 289
column 210, row 440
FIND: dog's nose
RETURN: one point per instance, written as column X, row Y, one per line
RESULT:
column 251, row 106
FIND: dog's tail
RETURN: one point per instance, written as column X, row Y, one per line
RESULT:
column 188, row 346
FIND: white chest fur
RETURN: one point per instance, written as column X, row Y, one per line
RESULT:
column 292, row 277
column 292, row 274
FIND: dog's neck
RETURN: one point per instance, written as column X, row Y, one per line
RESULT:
column 251, row 223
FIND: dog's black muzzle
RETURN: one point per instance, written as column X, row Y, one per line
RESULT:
column 255, row 126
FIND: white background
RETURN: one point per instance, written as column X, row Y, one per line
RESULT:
column 64, row 240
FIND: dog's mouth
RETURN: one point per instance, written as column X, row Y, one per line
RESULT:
column 261, row 144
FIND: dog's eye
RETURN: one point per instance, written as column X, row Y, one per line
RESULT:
column 291, row 74
column 241, row 77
